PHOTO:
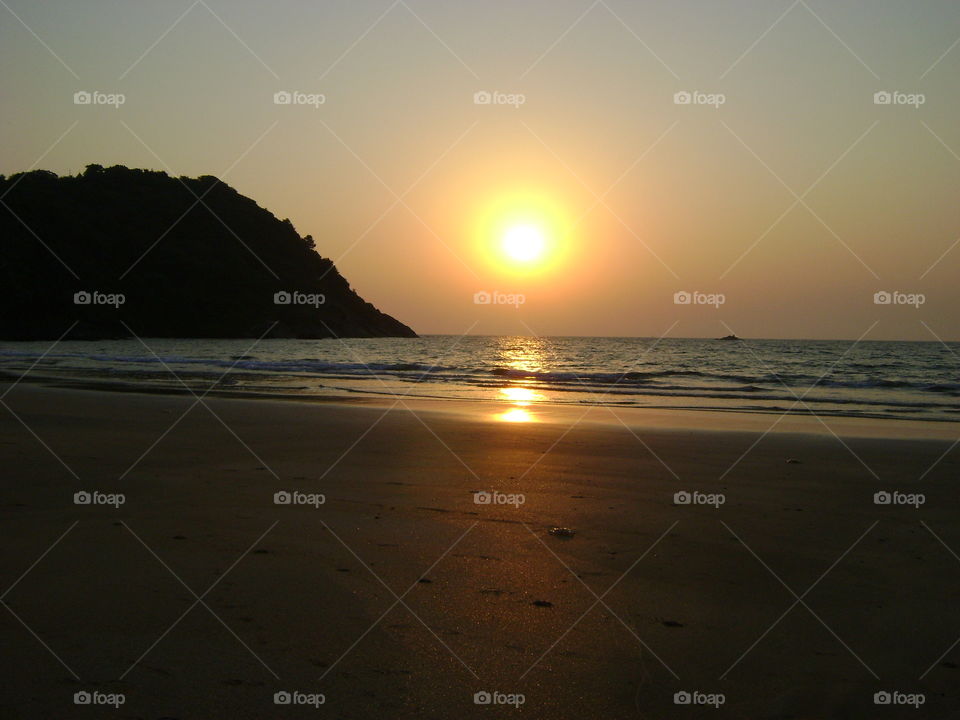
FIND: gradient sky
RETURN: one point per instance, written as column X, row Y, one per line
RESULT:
column 652, row 197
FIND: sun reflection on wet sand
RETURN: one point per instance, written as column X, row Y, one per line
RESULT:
column 515, row 415
column 520, row 398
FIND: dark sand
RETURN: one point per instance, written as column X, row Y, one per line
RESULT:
column 297, row 598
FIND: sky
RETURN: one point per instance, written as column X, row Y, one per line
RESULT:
column 779, row 201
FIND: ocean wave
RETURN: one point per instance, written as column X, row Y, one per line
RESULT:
column 652, row 378
column 905, row 379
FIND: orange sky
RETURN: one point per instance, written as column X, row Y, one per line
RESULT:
column 796, row 199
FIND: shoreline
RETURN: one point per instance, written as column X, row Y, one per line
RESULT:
column 651, row 417
column 832, row 379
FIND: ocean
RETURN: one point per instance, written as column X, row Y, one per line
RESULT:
column 918, row 380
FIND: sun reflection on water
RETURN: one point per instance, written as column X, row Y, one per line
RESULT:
column 522, row 354
column 520, row 396
column 520, row 359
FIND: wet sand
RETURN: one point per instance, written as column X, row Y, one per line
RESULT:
column 201, row 597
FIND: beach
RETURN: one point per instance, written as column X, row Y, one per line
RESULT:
column 385, row 589
column 465, row 360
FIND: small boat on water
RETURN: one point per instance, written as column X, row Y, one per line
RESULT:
column 729, row 337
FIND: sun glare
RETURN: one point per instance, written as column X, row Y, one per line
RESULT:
column 523, row 233
column 524, row 243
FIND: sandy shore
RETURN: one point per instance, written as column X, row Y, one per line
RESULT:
column 199, row 597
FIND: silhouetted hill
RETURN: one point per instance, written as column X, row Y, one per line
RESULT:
column 220, row 266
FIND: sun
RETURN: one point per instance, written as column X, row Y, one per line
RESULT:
column 522, row 233
column 524, row 243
